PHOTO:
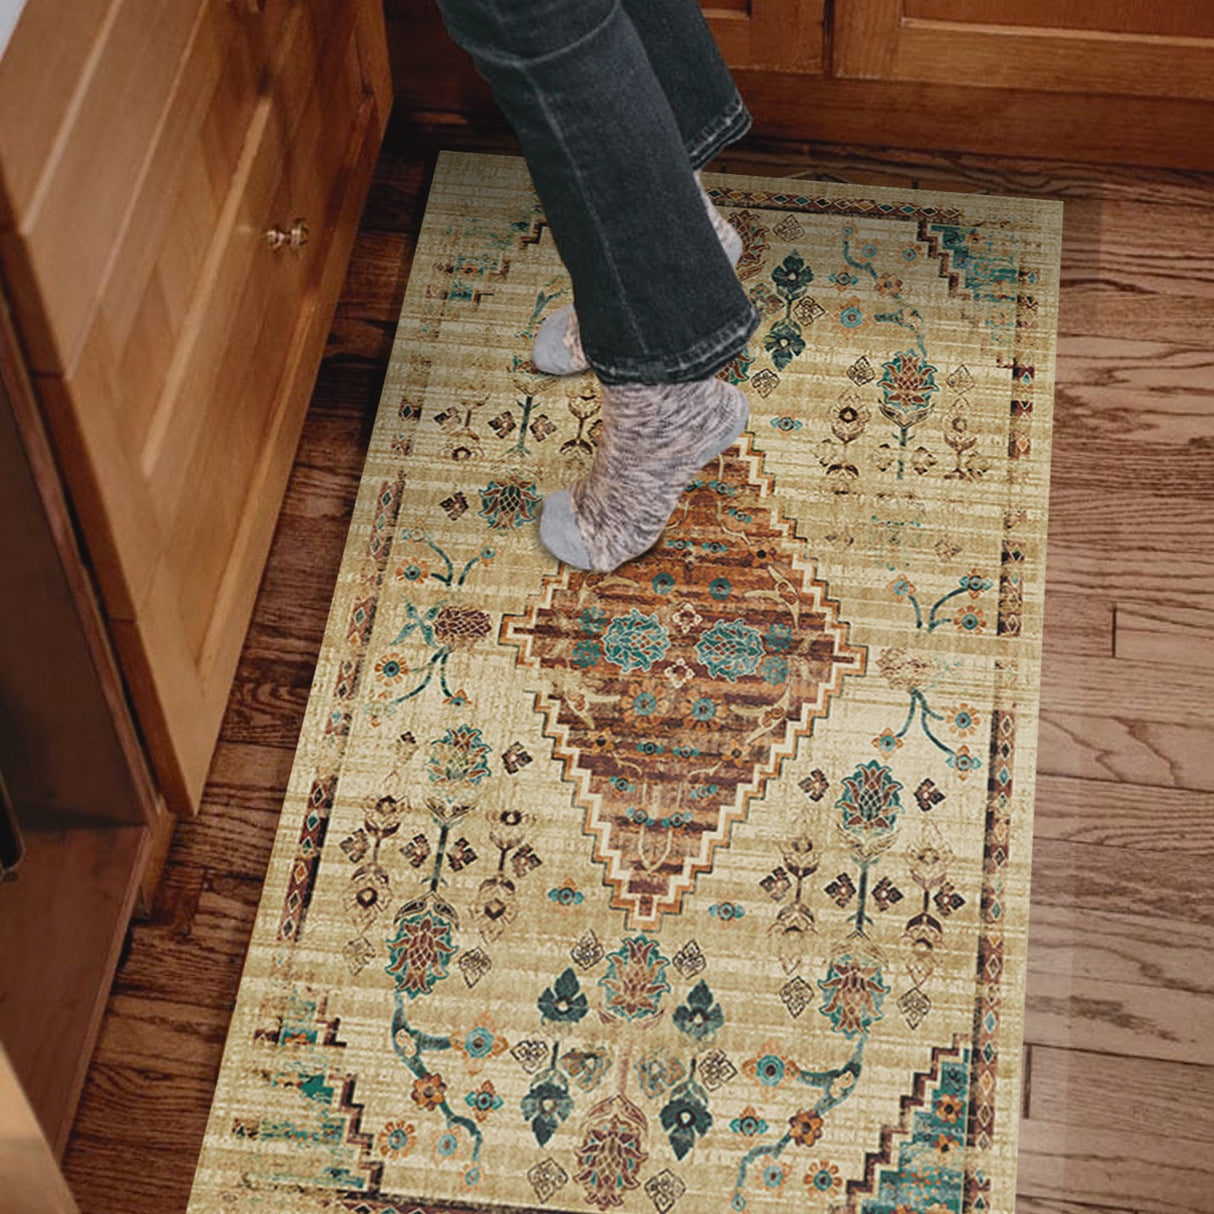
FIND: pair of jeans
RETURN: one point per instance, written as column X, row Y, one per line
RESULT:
column 616, row 103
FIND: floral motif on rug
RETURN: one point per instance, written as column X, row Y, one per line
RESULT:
column 700, row 886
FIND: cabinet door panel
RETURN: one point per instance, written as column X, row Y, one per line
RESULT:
column 178, row 496
column 782, row 34
column 968, row 42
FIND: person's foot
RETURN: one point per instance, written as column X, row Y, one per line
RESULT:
column 654, row 437
column 558, row 346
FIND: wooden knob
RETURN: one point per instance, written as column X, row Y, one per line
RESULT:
column 295, row 239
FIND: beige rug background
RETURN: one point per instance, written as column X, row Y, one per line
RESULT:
column 824, row 907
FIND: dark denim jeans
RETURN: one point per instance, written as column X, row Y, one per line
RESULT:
column 616, row 103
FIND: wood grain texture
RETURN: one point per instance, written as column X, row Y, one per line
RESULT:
column 1148, row 1172
column 31, row 1179
column 1121, row 954
column 70, row 900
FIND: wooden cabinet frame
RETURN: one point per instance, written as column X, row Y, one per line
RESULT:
column 787, row 35
column 877, row 40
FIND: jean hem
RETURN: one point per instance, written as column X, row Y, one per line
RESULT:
column 697, row 362
column 725, row 129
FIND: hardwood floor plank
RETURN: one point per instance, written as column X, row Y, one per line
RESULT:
column 1119, row 1018
column 1079, row 1086
column 1114, row 813
column 165, row 1036
column 1164, row 635
column 1078, row 624
column 1051, row 1205
column 1117, row 719
column 1129, row 390
column 265, row 712
column 1132, row 269
column 1106, row 948
column 1144, row 1170
column 110, row 1175
column 1093, row 876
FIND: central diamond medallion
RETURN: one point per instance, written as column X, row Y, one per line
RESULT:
column 677, row 685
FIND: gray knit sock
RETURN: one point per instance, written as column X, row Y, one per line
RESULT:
column 558, row 345
column 654, row 438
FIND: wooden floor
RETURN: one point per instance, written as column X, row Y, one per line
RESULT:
column 1120, row 1060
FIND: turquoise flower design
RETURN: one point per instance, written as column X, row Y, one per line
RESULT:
column 420, row 952
column 774, row 670
column 778, row 638
column 510, row 502
column 907, row 383
column 635, row 641
column 784, row 342
column 701, row 1015
column 686, row 1117
column 563, row 1001
column 635, row 979
column 870, row 802
column 720, row 588
column 546, row 1104
column 663, row 583
column 645, row 705
column 593, row 620
column 773, row 1176
column 792, row 276
column 479, row 1042
column 749, row 1124
column 851, row 316
column 458, row 757
column 586, row 654
column 730, row 650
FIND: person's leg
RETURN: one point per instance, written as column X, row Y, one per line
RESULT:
column 699, row 89
column 661, row 309
column 709, row 113
column 657, row 298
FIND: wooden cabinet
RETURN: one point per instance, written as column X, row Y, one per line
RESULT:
column 180, row 184
column 1103, row 81
column 787, row 35
column 1118, row 47
column 175, row 237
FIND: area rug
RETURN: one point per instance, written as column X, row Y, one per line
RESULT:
column 702, row 886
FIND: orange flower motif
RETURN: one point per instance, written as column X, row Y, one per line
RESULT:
column 805, row 1127
column 413, row 571
column 949, row 1108
column 887, row 742
column 970, row 620
column 481, row 1043
column 429, row 1091
column 962, row 761
column 901, row 587
column 396, row 1139
column 391, row 668
column 963, row 720
column 823, row 1179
